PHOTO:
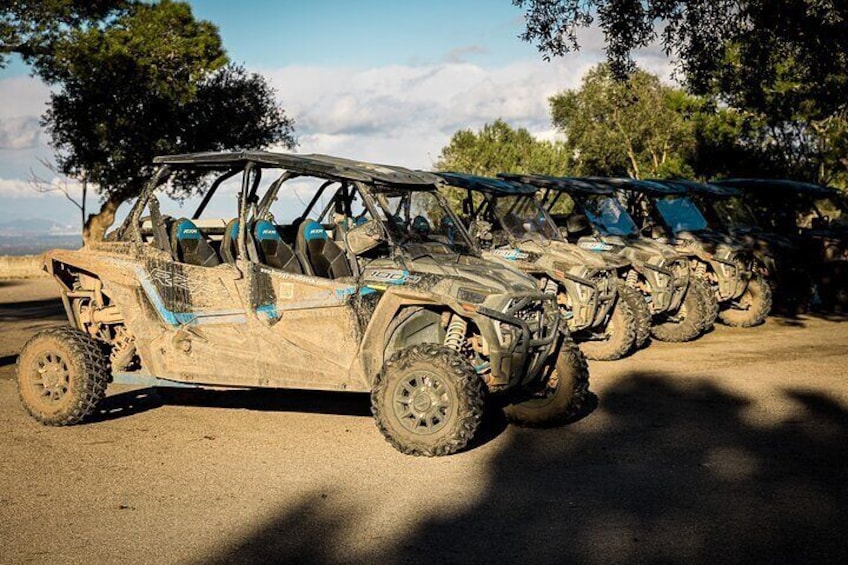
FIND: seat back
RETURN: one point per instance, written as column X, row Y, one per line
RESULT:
column 272, row 250
column 189, row 245
column 229, row 247
column 322, row 257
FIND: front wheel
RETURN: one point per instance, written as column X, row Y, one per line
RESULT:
column 618, row 338
column 710, row 300
column 562, row 398
column 688, row 322
column 641, row 311
column 428, row 400
column 62, row 375
column 752, row 308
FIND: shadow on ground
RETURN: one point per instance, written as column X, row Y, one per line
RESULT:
column 313, row 402
column 32, row 310
column 673, row 473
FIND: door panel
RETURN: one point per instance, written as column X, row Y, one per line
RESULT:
column 306, row 329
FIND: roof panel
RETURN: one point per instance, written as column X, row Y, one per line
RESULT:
column 485, row 184
column 563, row 184
column 774, row 185
column 707, row 189
column 317, row 165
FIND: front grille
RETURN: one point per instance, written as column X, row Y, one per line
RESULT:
column 531, row 312
column 604, row 282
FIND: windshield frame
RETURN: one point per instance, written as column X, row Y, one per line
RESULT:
column 602, row 228
column 543, row 218
column 657, row 201
column 381, row 205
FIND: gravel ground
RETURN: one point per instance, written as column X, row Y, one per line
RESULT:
column 733, row 448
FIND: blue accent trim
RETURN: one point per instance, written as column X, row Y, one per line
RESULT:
column 364, row 291
column 187, row 230
column 269, row 310
column 265, row 231
column 234, row 231
column 314, row 230
column 143, row 379
column 186, row 318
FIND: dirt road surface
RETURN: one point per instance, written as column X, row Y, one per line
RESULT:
column 730, row 449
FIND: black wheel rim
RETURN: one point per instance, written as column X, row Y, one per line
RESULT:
column 422, row 403
column 51, row 378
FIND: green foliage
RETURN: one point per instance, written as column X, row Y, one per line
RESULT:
column 155, row 81
column 781, row 65
column 29, row 27
column 498, row 148
column 638, row 127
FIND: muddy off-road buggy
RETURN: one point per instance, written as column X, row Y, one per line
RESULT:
column 506, row 220
column 357, row 295
column 665, row 212
column 777, row 258
column 672, row 305
column 815, row 218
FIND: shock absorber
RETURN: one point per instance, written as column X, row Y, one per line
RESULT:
column 701, row 270
column 632, row 279
column 551, row 287
column 455, row 336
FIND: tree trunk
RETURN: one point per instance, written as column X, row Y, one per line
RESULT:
column 97, row 224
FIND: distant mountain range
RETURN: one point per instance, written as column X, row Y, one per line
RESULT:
column 37, row 226
column 30, row 236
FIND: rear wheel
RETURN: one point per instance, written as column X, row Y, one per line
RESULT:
column 618, row 337
column 62, row 375
column 565, row 391
column 428, row 400
column 687, row 323
column 750, row 309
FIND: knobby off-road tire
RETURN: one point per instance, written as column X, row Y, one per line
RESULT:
column 710, row 300
column 689, row 318
column 754, row 305
column 640, row 308
column 428, row 400
column 62, row 375
column 564, row 395
column 620, row 335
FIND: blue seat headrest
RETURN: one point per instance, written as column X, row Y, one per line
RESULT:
column 421, row 225
column 265, row 231
column 186, row 229
column 234, row 231
column 313, row 230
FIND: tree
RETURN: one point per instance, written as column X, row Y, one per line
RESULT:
column 155, row 81
column 29, row 27
column 782, row 62
column 638, row 127
column 498, row 148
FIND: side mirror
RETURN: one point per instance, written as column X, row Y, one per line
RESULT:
column 364, row 237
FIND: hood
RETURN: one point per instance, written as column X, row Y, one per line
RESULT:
column 434, row 274
column 569, row 254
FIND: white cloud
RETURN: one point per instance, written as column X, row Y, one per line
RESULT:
column 31, row 188
column 405, row 114
column 23, row 96
column 19, row 133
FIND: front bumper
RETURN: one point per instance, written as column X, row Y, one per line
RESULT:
column 522, row 337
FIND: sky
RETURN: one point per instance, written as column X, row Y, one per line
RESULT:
column 372, row 80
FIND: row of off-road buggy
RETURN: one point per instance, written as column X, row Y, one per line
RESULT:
column 440, row 294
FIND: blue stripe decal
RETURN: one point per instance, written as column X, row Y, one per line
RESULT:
column 186, row 318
